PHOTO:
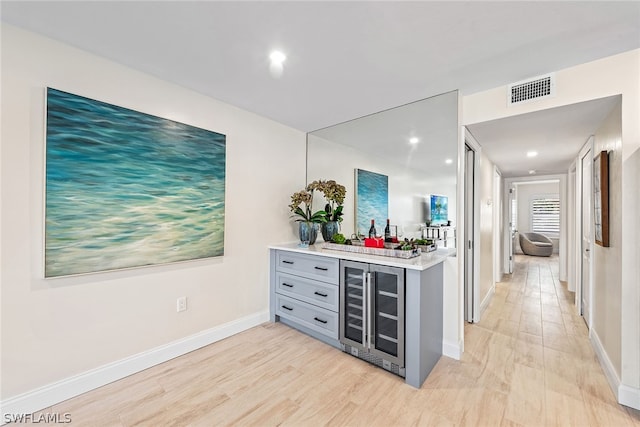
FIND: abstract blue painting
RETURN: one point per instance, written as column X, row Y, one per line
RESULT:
column 127, row 189
column 439, row 207
column 372, row 201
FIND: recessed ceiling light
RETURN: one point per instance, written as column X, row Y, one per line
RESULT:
column 532, row 172
column 277, row 57
column 448, row 161
column 532, row 153
column 414, row 140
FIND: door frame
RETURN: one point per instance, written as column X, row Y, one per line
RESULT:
column 507, row 242
column 572, row 260
column 474, row 313
column 562, row 195
column 498, row 218
column 584, row 151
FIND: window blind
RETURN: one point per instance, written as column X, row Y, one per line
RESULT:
column 545, row 215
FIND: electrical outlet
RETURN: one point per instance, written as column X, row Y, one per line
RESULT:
column 181, row 304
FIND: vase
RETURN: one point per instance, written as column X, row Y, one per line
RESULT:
column 329, row 229
column 308, row 232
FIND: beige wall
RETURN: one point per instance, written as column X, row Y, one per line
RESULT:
column 54, row 329
column 486, row 282
column 607, row 265
column 615, row 75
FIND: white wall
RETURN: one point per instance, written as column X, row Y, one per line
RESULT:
column 615, row 75
column 607, row 281
column 54, row 329
column 486, row 283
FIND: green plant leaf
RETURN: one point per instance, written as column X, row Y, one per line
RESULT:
column 319, row 217
column 337, row 214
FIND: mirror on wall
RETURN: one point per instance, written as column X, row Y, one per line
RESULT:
column 415, row 146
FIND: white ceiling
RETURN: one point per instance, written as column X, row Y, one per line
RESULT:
column 345, row 59
column 433, row 121
column 556, row 134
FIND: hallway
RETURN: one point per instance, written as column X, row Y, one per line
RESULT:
column 533, row 352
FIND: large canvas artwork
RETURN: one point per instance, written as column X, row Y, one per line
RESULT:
column 127, row 189
column 372, row 200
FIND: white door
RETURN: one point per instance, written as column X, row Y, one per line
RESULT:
column 586, row 165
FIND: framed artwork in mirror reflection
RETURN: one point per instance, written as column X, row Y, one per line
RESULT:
column 372, row 200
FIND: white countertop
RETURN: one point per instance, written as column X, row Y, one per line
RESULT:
column 421, row 262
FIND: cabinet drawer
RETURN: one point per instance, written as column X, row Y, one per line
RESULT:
column 310, row 266
column 315, row 318
column 322, row 294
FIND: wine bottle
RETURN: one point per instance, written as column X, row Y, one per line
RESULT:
column 372, row 230
column 387, row 232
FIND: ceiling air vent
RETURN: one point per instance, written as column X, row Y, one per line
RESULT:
column 528, row 90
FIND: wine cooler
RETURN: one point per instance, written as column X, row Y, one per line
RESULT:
column 372, row 314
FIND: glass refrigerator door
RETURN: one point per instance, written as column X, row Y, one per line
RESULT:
column 352, row 327
column 387, row 302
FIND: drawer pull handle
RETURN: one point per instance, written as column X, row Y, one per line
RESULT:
column 321, row 294
column 319, row 320
column 287, row 285
column 284, row 261
column 287, row 308
column 322, row 268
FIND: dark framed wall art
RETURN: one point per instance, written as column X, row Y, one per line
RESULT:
column 601, row 198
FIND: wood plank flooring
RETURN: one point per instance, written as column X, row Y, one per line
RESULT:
column 528, row 362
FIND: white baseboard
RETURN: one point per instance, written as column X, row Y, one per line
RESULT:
column 629, row 396
column 485, row 302
column 626, row 395
column 605, row 362
column 51, row 394
column 452, row 349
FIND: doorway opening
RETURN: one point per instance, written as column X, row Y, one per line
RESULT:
column 535, row 210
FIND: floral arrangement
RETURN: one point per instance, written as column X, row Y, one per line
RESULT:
column 334, row 193
column 302, row 202
column 305, row 198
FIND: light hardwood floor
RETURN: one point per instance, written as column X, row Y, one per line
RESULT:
column 527, row 362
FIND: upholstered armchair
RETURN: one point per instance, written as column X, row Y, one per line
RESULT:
column 536, row 244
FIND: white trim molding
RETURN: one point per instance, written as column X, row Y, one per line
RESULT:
column 487, row 299
column 629, row 396
column 605, row 362
column 54, row 393
column 469, row 139
column 452, row 349
column 626, row 395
